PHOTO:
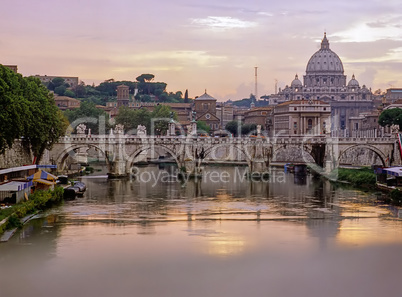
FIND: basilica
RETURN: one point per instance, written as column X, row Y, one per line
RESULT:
column 325, row 81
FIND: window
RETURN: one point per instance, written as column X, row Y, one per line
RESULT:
column 295, row 108
column 295, row 125
column 310, row 124
column 325, row 108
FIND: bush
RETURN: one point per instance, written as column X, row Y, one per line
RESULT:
column 13, row 222
column 396, row 196
column 40, row 200
column 363, row 177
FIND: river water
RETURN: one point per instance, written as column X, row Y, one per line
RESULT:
column 223, row 235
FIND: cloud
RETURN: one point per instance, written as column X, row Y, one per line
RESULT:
column 222, row 23
column 366, row 32
column 264, row 13
column 175, row 60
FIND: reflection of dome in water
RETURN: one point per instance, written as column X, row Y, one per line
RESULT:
column 324, row 60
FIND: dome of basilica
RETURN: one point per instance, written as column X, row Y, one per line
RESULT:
column 296, row 82
column 324, row 60
column 353, row 82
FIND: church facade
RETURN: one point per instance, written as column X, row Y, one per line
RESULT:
column 325, row 81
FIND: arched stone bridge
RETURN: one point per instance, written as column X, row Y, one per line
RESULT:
column 190, row 153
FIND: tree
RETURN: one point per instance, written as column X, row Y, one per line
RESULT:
column 13, row 108
column 28, row 111
column 234, row 127
column 248, row 129
column 186, row 97
column 60, row 90
column 89, row 115
column 57, row 82
column 69, row 93
column 80, row 90
column 45, row 122
column 390, row 117
column 131, row 118
column 203, row 127
column 145, row 77
column 160, row 117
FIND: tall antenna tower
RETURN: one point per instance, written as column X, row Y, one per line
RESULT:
column 256, row 84
column 276, row 86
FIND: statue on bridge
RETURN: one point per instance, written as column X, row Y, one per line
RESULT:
column 141, row 130
column 258, row 130
column 119, row 129
column 394, row 129
column 81, row 129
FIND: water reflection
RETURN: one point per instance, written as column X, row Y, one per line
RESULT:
column 211, row 237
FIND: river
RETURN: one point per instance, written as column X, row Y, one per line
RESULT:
column 223, row 235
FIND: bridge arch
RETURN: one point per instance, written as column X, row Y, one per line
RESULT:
column 238, row 147
column 147, row 147
column 62, row 157
column 377, row 151
column 293, row 147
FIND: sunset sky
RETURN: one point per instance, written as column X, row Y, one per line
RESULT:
column 198, row 45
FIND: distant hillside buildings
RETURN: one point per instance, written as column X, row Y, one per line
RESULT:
column 71, row 80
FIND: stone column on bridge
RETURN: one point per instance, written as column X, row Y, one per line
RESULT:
column 331, row 155
column 171, row 129
column 259, row 160
column 118, row 162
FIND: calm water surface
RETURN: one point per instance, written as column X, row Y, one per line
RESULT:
column 222, row 236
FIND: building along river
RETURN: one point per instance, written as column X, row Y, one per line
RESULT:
column 223, row 235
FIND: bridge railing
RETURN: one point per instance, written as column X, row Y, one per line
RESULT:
column 121, row 138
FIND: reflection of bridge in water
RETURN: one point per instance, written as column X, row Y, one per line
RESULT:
column 190, row 153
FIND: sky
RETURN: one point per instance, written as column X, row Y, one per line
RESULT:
column 202, row 45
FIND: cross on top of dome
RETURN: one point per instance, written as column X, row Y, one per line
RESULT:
column 325, row 42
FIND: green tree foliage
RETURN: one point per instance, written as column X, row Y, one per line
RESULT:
column 131, row 118
column 234, row 127
column 80, row 90
column 145, row 77
column 247, row 129
column 160, row 117
column 60, row 90
column 89, row 115
column 148, row 90
column 390, row 117
column 28, row 111
column 186, row 100
column 155, row 121
column 57, row 82
column 45, row 123
column 69, row 93
column 202, row 127
column 246, row 102
column 13, row 108
column 243, row 102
